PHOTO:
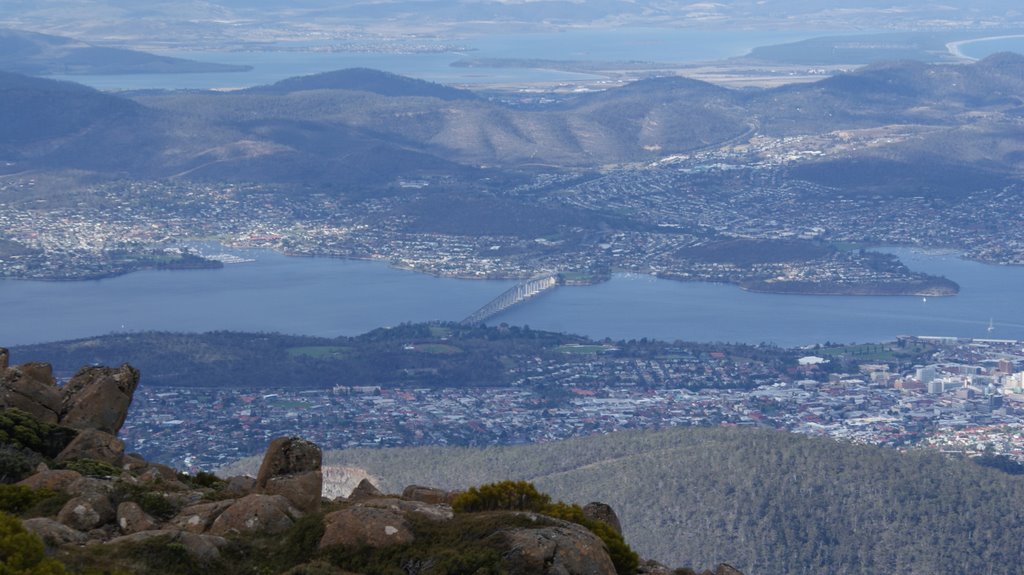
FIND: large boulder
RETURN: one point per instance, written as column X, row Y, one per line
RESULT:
column 604, row 513
column 256, row 513
column 31, row 388
column 87, row 512
column 132, row 519
column 292, row 467
column 365, row 526
column 53, row 479
column 203, row 549
column 54, row 533
column 200, row 517
column 561, row 549
column 426, row 494
column 94, row 444
column 98, row 398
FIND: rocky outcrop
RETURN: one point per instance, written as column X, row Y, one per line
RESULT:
column 98, row 398
column 94, row 398
column 291, row 468
column 365, row 527
column 604, row 513
column 365, row 490
column 562, row 549
column 31, row 388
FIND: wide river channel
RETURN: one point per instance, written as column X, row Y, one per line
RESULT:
column 330, row 297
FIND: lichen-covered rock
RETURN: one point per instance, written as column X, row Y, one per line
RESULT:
column 604, row 513
column 31, row 388
column 200, row 517
column 87, row 512
column 99, row 397
column 562, row 549
column 132, row 519
column 365, row 526
column 726, row 569
column 204, row 549
column 292, row 467
column 53, row 479
column 256, row 512
column 54, row 533
column 93, row 444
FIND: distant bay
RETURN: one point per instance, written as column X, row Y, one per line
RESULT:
column 329, row 297
column 620, row 44
column 984, row 47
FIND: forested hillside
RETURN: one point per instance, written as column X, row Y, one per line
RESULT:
column 769, row 503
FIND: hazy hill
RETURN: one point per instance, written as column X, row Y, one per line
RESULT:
column 359, row 129
column 767, row 502
column 366, row 80
column 41, row 54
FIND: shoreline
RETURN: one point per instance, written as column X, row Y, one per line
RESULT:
column 955, row 48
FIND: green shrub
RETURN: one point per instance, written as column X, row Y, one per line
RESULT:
column 21, row 552
column 502, row 496
column 523, row 496
column 17, row 499
column 202, row 479
column 92, row 468
column 21, row 430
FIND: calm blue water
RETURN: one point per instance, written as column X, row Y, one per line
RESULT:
column 328, row 297
column 649, row 44
column 979, row 49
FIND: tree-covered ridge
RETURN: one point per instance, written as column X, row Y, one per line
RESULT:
column 425, row 355
column 766, row 502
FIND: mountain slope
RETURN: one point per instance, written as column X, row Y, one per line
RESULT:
column 40, row 54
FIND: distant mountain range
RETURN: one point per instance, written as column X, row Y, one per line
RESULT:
column 43, row 54
column 362, row 127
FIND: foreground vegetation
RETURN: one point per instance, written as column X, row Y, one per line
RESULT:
column 765, row 502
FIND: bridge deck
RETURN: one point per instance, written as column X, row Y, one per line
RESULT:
column 513, row 296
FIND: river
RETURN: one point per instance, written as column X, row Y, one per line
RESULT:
column 329, row 297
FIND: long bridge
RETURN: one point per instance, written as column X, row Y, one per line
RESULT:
column 513, row 296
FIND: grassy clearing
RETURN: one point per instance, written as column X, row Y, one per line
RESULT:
column 319, row 352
